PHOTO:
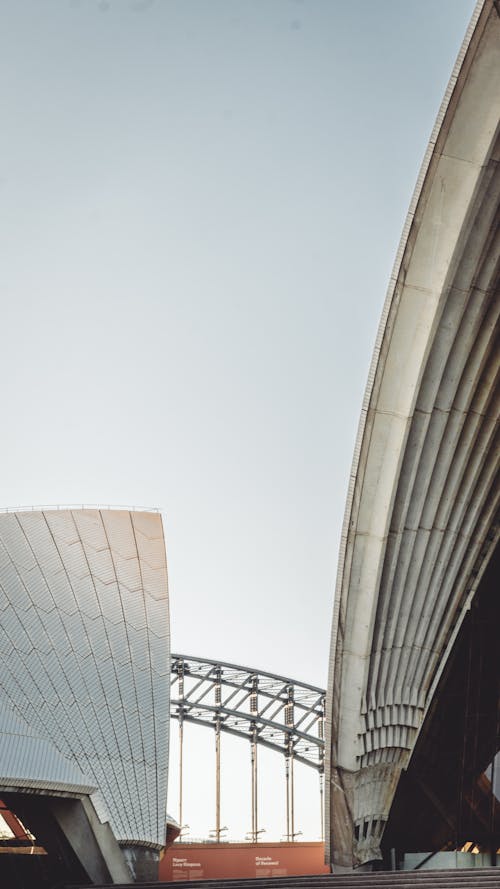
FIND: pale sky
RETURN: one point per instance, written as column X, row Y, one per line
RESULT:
column 201, row 204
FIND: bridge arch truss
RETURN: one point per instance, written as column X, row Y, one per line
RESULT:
column 267, row 710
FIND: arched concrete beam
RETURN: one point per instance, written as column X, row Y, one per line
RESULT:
column 420, row 516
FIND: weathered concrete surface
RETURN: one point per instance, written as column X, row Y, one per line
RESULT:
column 142, row 863
column 93, row 843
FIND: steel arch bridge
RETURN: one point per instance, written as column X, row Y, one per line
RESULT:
column 276, row 712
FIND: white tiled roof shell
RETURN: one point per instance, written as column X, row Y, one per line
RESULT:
column 31, row 762
column 85, row 655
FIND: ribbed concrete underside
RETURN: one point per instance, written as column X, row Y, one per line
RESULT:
column 422, row 513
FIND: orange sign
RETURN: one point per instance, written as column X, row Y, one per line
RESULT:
column 208, row 861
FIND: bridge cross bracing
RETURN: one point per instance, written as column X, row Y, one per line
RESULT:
column 277, row 712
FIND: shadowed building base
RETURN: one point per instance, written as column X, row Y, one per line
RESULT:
column 79, row 847
column 143, row 863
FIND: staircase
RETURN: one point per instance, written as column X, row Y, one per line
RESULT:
column 470, row 878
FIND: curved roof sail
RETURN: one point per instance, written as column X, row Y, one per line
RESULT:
column 85, row 660
column 421, row 518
